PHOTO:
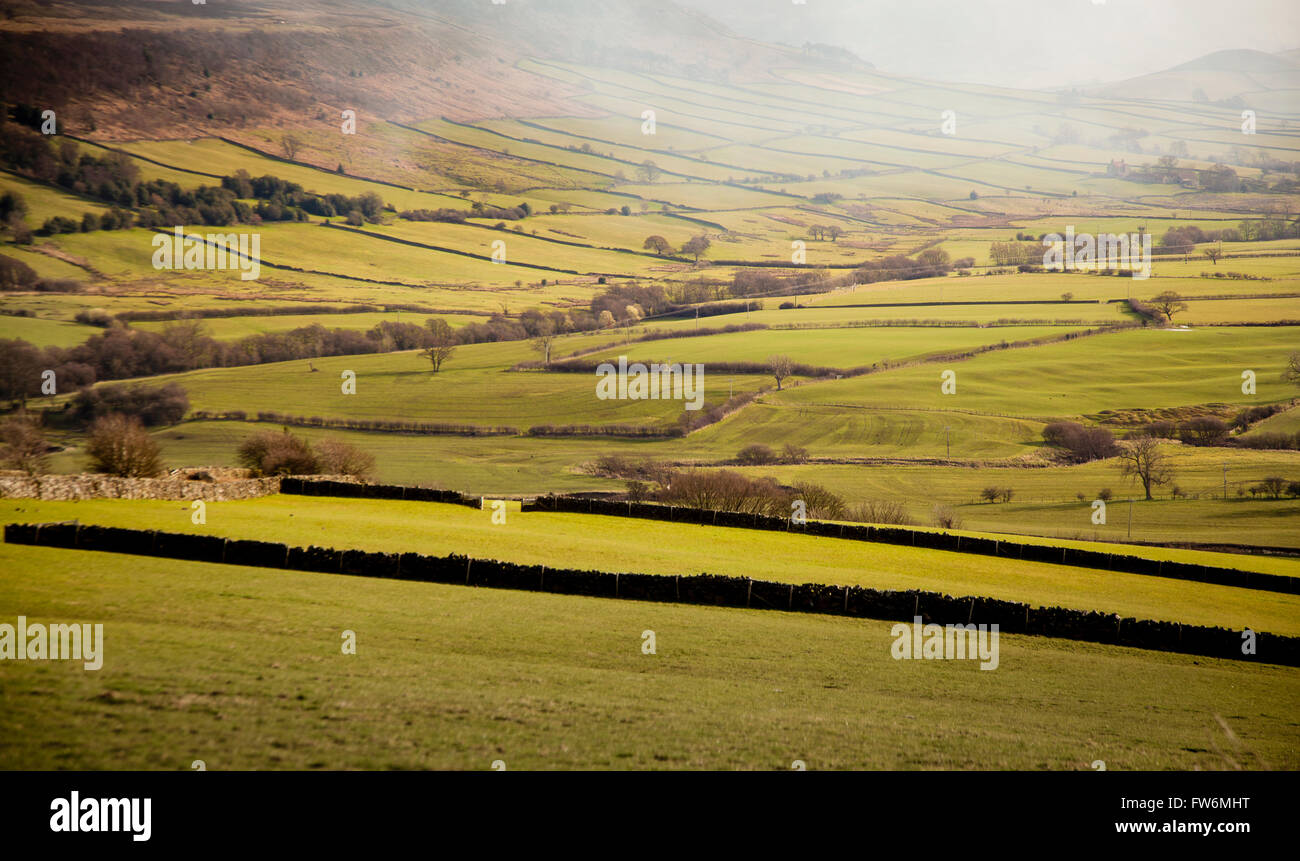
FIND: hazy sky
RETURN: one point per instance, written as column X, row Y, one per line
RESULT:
column 1033, row 43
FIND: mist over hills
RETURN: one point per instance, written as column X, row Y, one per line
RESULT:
column 278, row 61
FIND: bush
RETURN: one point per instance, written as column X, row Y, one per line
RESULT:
column 22, row 445
column 819, row 502
column 724, row 490
column 271, row 453
column 945, row 517
column 1268, row 440
column 1105, row 495
column 1248, row 416
column 637, row 491
column 1274, row 486
column 886, row 512
column 119, row 445
column 1293, row 489
column 337, row 457
column 1204, row 430
column 794, row 454
column 165, row 405
column 16, row 275
column 755, row 455
column 1159, row 430
column 1080, row 444
column 94, row 317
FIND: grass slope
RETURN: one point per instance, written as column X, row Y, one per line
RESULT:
column 242, row 668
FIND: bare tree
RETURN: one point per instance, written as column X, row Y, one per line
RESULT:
column 442, row 343
column 342, row 458
column 291, row 145
column 697, row 246
column 22, row 445
column 119, row 445
column 834, row 232
column 1143, row 460
column 1214, row 253
column 542, row 344
column 782, row 367
column 1273, row 485
column 1169, row 303
column 1292, row 372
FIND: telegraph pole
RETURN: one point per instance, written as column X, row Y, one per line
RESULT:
column 1130, row 518
column 1225, row 482
column 947, row 440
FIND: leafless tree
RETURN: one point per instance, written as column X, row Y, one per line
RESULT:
column 442, row 343
column 1169, row 303
column 1143, row 460
column 782, row 367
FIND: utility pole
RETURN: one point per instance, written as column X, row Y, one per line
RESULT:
column 1130, row 518
column 947, row 441
column 1225, row 482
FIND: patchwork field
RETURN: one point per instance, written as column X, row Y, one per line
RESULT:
column 556, row 194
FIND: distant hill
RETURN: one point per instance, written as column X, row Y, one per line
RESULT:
column 237, row 63
column 1220, row 76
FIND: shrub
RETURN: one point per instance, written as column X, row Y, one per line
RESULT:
column 1203, row 430
column 755, row 455
column 794, row 454
column 637, row 491
column 945, row 517
column 1105, row 495
column 22, row 445
column 1248, row 416
column 1274, row 486
column 337, row 457
column 1078, row 443
column 725, row 490
column 1293, row 489
column 271, row 453
column 94, row 317
column 819, row 502
column 119, row 445
column 164, row 405
column 886, row 512
column 1159, row 430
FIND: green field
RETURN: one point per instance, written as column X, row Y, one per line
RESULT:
column 231, row 328
column 455, row 677
column 1085, row 376
column 474, row 387
column 45, row 333
column 623, row 544
column 843, row 348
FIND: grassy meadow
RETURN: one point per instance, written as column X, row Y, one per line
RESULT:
column 802, row 176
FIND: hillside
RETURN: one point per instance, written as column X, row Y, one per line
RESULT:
column 289, row 63
column 1220, row 75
